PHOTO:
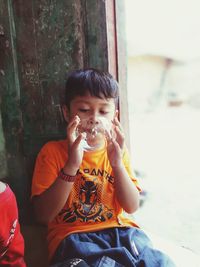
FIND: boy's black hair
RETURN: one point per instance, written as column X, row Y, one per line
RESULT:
column 95, row 82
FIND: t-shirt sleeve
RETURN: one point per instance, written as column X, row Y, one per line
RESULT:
column 11, row 240
column 46, row 169
column 126, row 160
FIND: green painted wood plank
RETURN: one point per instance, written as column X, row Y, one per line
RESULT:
column 96, row 34
column 10, row 105
column 40, row 42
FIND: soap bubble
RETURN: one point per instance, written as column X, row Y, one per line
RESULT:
column 94, row 132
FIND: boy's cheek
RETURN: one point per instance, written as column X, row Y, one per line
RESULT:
column 82, row 116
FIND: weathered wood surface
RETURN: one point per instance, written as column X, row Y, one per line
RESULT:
column 40, row 41
column 122, row 67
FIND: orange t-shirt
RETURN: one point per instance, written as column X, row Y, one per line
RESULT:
column 91, row 205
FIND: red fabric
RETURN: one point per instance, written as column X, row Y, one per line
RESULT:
column 11, row 240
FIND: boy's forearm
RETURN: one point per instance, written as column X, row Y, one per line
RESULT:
column 49, row 203
column 126, row 191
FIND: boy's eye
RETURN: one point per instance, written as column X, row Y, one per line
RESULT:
column 83, row 109
column 104, row 112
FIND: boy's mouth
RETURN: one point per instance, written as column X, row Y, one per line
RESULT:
column 93, row 132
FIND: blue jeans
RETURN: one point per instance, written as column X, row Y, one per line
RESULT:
column 115, row 247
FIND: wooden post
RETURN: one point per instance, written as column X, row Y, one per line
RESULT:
column 40, row 41
column 117, row 56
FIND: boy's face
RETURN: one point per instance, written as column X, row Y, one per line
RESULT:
column 93, row 110
column 90, row 107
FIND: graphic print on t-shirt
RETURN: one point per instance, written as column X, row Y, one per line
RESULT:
column 87, row 203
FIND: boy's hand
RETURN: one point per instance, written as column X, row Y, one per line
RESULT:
column 116, row 145
column 75, row 150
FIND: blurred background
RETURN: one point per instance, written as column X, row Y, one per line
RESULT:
column 164, row 105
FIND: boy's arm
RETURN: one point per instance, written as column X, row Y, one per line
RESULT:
column 126, row 191
column 49, row 203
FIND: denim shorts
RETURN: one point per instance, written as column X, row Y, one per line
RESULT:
column 113, row 247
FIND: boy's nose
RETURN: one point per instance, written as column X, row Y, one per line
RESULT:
column 94, row 120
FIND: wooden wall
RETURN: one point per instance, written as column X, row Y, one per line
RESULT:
column 40, row 41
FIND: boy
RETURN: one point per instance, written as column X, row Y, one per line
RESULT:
column 81, row 195
column 11, row 240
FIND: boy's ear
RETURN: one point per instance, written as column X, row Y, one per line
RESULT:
column 65, row 112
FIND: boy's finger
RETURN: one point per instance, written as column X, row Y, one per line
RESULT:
column 74, row 122
column 109, row 142
column 116, row 145
column 118, row 128
column 119, row 137
column 109, row 134
column 117, row 123
column 72, row 127
column 78, row 140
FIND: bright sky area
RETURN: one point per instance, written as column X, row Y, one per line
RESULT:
column 168, row 28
